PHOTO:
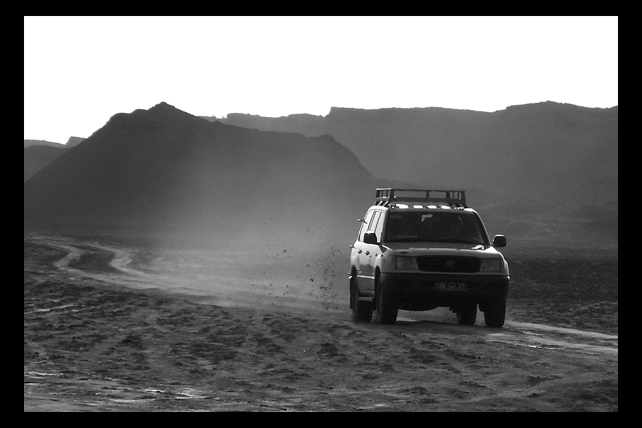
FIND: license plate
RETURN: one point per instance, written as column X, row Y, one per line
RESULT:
column 450, row 286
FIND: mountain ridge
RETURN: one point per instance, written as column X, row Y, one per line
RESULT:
column 523, row 151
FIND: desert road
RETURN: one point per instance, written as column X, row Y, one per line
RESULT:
column 112, row 328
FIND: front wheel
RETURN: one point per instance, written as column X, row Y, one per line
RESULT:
column 361, row 310
column 495, row 313
column 386, row 312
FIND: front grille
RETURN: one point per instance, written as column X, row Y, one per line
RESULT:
column 454, row 264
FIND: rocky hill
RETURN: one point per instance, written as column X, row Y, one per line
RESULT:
column 37, row 156
column 74, row 141
column 39, row 153
column 163, row 171
column 31, row 143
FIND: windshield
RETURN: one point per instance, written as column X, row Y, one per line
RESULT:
column 451, row 226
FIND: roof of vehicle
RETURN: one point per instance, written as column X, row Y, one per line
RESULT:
column 420, row 199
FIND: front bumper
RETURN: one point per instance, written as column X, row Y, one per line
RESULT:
column 419, row 291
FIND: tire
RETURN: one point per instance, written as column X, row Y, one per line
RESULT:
column 386, row 308
column 495, row 313
column 361, row 311
column 467, row 314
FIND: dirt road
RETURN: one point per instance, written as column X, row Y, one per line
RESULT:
column 111, row 328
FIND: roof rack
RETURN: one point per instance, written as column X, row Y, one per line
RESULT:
column 386, row 195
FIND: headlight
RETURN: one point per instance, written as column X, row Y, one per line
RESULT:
column 492, row 265
column 402, row 263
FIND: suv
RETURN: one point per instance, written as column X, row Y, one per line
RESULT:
column 422, row 249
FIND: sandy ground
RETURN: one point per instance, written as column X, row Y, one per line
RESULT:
column 115, row 328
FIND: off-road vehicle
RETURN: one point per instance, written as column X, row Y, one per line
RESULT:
column 421, row 249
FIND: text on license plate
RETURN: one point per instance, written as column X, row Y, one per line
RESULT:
column 450, row 286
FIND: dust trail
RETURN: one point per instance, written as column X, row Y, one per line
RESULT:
column 293, row 283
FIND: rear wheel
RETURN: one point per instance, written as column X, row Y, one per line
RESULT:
column 467, row 314
column 361, row 310
column 495, row 313
column 386, row 312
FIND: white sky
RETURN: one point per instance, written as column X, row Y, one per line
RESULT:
column 80, row 71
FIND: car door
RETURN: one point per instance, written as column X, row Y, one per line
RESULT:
column 359, row 247
column 368, row 255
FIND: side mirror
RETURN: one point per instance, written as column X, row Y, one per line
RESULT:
column 499, row 241
column 370, row 238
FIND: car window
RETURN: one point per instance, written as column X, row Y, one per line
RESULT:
column 373, row 221
column 364, row 225
column 435, row 227
column 379, row 227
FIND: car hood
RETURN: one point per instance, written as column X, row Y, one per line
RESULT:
column 442, row 248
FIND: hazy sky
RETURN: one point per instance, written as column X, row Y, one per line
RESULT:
column 80, row 71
